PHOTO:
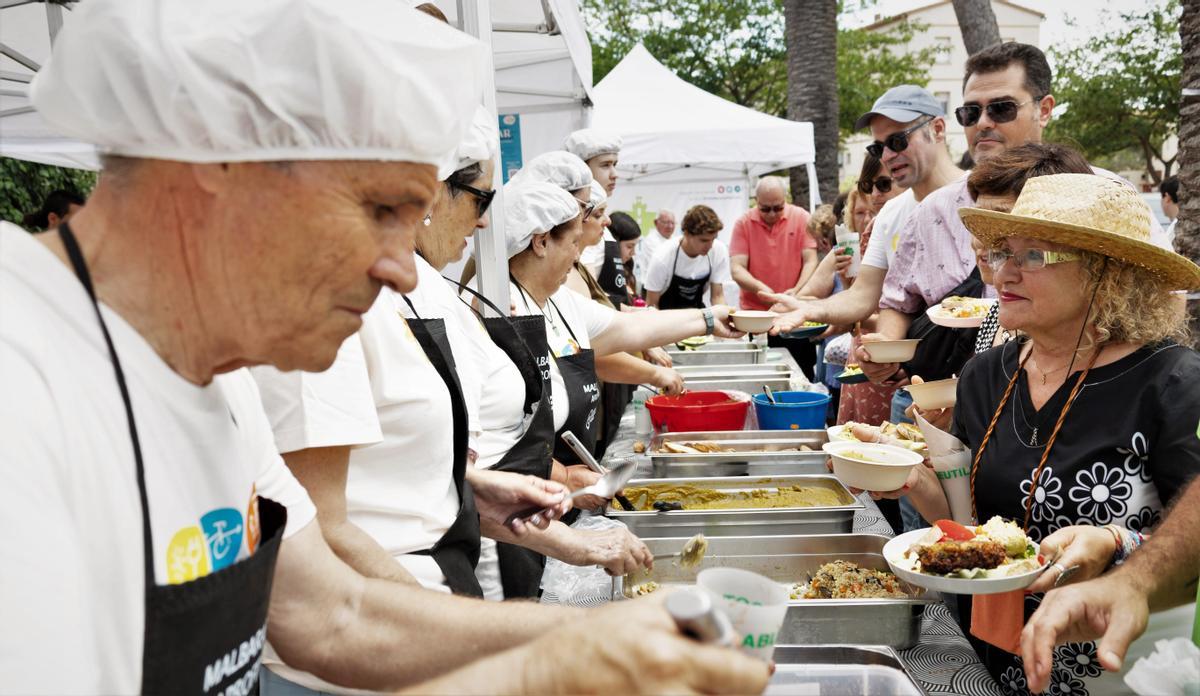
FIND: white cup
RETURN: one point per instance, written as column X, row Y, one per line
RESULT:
column 848, row 241
column 754, row 604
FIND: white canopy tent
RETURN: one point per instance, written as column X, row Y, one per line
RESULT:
column 543, row 74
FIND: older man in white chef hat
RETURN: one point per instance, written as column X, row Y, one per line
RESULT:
column 266, row 164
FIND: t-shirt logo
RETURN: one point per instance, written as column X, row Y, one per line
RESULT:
column 253, row 534
column 187, row 557
column 223, row 532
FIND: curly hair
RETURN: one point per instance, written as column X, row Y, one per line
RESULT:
column 701, row 219
column 1132, row 304
column 822, row 223
column 848, row 211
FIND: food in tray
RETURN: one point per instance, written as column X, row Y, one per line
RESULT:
column 694, row 343
column 644, row 588
column 692, row 497
column 671, row 447
column 639, row 447
column 846, row 580
column 997, row 549
column 907, row 434
column 955, row 307
column 693, row 551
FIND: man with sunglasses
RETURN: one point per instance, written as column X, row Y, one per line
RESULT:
column 772, row 251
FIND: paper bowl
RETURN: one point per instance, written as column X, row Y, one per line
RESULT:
column 887, row 469
column 753, row 321
column 930, row 396
column 755, row 605
column 891, row 351
column 893, row 553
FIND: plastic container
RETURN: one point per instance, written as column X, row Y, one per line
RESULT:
column 793, row 410
column 641, row 417
column 698, row 411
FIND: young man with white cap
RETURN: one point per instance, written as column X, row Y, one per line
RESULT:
column 601, row 150
column 131, row 437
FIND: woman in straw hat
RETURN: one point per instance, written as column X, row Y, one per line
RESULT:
column 1085, row 428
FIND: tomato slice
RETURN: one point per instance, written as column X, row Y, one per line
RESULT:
column 954, row 530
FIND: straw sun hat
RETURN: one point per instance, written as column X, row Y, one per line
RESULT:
column 1087, row 212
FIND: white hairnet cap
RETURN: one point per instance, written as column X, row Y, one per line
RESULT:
column 480, row 144
column 596, row 195
column 266, row 80
column 534, row 207
column 557, row 167
column 592, row 142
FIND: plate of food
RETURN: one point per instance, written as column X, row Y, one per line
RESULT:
column 853, row 374
column 960, row 312
column 949, row 557
column 906, row 435
column 808, row 330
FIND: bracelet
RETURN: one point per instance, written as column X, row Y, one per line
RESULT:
column 709, row 322
column 1127, row 541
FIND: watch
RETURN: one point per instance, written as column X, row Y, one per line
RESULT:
column 709, row 323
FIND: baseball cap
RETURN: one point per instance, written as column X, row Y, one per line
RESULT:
column 903, row 103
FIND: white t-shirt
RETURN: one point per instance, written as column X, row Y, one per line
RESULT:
column 881, row 248
column 586, row 318
column 592, row 257
column 71, row 565
column 665, row 264
column 646, row 249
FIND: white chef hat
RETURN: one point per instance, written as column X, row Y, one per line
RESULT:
column 534, row 207
column 592, row 142
column 557, row 167
column 596, row 195
column 480, row 144
column 268, row 80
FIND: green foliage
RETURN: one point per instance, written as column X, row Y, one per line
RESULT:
column 24, row 185
column 735, row 49
column 1121, row 89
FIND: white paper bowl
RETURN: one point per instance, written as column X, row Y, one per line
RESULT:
column 942, row 318
column 752, row 320
column 929, row 396
column 871, row 476
column 893, row 552
column 891, row 351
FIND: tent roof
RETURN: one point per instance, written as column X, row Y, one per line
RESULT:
column 667, row 123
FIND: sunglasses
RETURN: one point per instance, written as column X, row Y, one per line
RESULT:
column 770, row 208
column 588, row 209
column 1028, row 260
column 483, row 199
column 882, row 184
column 896, row 142
column 998, row 111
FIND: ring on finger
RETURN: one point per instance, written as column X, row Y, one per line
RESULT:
column 1064, row 574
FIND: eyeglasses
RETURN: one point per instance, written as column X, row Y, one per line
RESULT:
column 896, row 142
column 588, row 209
column 1028, row 260
column 770, row 208
column 483, row 199
column 998, row 111
column 883, row 184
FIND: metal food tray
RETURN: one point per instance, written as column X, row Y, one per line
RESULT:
column 743, row 521
column 762, row 456
column 749, row 385
column 791, row 559
column 733, row 370
column 733, row 356
column 840, row 670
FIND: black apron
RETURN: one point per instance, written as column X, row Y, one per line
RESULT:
column 684, row 293
column 612, row 275
column 205, row 635
column 457, row 552
column 943, row 351
column 523, row 340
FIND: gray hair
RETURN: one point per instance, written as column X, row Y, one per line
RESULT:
column 771, row 182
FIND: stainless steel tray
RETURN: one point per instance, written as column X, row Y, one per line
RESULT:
column 734, row 370
column 790, row 559
column 735, row 356
column 746, row 521
column 761, row 453
column 749, row 385
column 841, row 670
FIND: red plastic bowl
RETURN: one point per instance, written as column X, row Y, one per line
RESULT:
column 697, row 411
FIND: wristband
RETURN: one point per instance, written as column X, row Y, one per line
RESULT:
column 709, row 322
column 1127, row 541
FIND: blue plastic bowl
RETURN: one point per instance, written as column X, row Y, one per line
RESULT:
column 793, row 410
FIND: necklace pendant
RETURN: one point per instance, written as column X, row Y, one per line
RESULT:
column 1033, row 440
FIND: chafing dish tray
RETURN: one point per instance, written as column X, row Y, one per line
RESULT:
column 734, row 370
column 751, row 384
column 791, row 559
column 748, row 521
column 748, row 452
column 748, row 353
column 840, row 670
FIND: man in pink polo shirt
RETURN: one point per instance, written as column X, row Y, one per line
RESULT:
column 772, row 251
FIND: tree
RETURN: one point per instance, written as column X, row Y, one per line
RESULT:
column 23, row 185
column 1121, row 89
column 977, row 22
column 1187, row 231
column 811, row 38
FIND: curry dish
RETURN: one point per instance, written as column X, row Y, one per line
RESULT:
column 693, row 497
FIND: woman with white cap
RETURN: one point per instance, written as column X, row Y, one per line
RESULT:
column 1084, row 428
column 601, row 256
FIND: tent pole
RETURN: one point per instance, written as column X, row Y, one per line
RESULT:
column 491, row 259
column 814, row 193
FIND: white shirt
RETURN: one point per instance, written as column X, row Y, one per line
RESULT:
column 881, row 248
column 646, row 249
column 584, row 317
column 714, row 264
column 71, row 565
column 592, row 257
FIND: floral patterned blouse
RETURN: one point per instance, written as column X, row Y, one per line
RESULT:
column 1127, row 447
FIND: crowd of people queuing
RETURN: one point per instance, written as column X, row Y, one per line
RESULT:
column 247, row 411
